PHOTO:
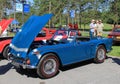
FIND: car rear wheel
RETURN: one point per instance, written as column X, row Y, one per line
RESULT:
column 6, row 51
column 100, row 54
column 48, row 66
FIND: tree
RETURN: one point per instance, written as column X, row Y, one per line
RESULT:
column 114, row 12
column 4, row 4
column 85, row 10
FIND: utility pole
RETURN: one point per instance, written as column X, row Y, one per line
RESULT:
column 14, row 3
column 23, row 1
column 49, row 11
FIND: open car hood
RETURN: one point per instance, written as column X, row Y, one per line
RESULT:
column 4, row 23
column 23, row 39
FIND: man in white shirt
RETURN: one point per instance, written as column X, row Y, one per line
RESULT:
column 92, row 28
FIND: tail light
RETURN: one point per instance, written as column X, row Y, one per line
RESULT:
column 28, row 61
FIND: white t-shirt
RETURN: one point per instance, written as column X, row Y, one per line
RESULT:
column 92, row 27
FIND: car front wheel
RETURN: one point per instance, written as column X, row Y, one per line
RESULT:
column 48, row 66
column 100, row 54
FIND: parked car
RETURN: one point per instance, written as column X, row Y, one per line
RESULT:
column 115, row 34
column 4, row 23
column 64, row 48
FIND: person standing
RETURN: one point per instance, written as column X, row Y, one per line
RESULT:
column 92, row 28
column 100, row 27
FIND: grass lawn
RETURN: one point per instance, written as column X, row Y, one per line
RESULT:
column 11, row 34
column 86, row 33
column 115, row 51
column 107, row 27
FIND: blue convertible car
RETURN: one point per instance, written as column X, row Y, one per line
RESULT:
column 64, row 48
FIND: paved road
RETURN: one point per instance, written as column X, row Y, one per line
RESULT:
column 81, row 73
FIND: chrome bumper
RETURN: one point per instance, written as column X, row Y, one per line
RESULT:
column 20, row 62
column 24, row 66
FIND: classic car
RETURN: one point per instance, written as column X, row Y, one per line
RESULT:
column 64, row 48
column 115, row 34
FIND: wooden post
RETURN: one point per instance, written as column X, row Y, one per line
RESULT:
column 14, row 12
column 49, row 11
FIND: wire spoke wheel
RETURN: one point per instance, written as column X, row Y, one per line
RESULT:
column 48, row 66
column 100, row 54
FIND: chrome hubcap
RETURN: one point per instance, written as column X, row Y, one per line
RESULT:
column 50, row 66
column 101, row 54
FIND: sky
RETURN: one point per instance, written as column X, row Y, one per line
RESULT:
column 30, row 1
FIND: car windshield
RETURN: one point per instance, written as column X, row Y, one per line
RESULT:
column 64, row 35
column 116, row 30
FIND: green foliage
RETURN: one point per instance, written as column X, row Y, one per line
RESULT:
column 3, row 5
column 114, row 12
column 106, row 10
column 115, row 51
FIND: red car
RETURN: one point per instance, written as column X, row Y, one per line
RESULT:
column 4, row 23
column 115, row 34
column 46, row 34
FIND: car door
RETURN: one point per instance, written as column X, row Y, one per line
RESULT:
column 82, row 50
column 66, row 53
